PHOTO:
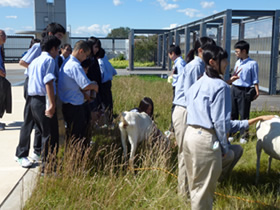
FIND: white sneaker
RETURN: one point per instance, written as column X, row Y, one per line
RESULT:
column 243, row 141
column 230, row 139
column 36, row 158
column 23, row 162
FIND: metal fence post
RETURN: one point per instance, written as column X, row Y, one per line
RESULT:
column 187, row 41
column 164, row 51
column 274, row 53
column 170, row 40
column 131, row 49
column 159, row 50
column 227, row 37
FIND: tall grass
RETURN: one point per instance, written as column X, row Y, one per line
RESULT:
column 98, row 178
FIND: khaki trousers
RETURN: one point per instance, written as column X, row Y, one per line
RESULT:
column 204, row 165
column 179, row 118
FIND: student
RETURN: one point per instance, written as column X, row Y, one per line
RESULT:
column 191, row 72
column 107, row 73
column 66, row 50
column 205, row 139
column 146, row 105
column 53, row 29
column 72, row 79
column 5, row 94
column 40, row 90
column 174, row 54
column 247, row 69
column 22, row 150
column 94, row 74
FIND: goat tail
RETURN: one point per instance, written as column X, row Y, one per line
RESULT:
column 123, row 123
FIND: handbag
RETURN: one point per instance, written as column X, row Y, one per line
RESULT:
column 251, row 93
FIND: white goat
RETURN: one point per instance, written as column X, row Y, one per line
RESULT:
column 268, row 134
column 137, row 127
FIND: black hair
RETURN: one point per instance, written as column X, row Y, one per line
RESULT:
column 144, row 105
column 53, row 28
column 65, row 45
column 33, row 41
column 174, row 48
column 86, row 63
column 82, row 45
column 49, row 42
column 242, row 45
column 199, row 43
column 94, row 41
column 216, row 53
column 101, row 53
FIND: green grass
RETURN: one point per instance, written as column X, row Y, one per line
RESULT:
column 122, row 64
column 101, row 180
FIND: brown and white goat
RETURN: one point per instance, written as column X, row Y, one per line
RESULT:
column 137, row 127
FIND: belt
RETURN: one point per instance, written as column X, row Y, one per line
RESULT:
column 241, row 88
column 212, row 131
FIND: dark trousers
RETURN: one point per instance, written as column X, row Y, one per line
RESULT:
column 26, row 129
column 48, row 127
column 241, row 104
column 107, row 98
column 74, row 116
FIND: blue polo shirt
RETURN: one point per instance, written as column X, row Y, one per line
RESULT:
column 106, row 69
column 179, row 64
column 40, row 72
column 32, row 53
column 248, row 74
column 193, row 70
column 209, row 106
column 71, row 80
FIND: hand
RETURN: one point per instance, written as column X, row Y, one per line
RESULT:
column 2, row 73
column 50, row 111
column 266, row 117
column 256, row 96
column 232, row 79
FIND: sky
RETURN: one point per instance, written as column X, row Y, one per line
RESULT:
column 99, row 17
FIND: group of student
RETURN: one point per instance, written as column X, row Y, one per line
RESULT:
column 205, row 108
column 205, row 111
column 80, row 79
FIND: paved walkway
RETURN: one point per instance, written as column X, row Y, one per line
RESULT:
column 16, row 182
column 12, row 175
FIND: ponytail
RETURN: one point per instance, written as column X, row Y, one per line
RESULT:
column 190, row 55
column 199, row 43
column 215, row 53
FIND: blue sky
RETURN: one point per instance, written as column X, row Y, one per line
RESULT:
column 98, row 17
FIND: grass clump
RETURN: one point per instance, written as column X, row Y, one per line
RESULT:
column 98, row 178
column 123, row 64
